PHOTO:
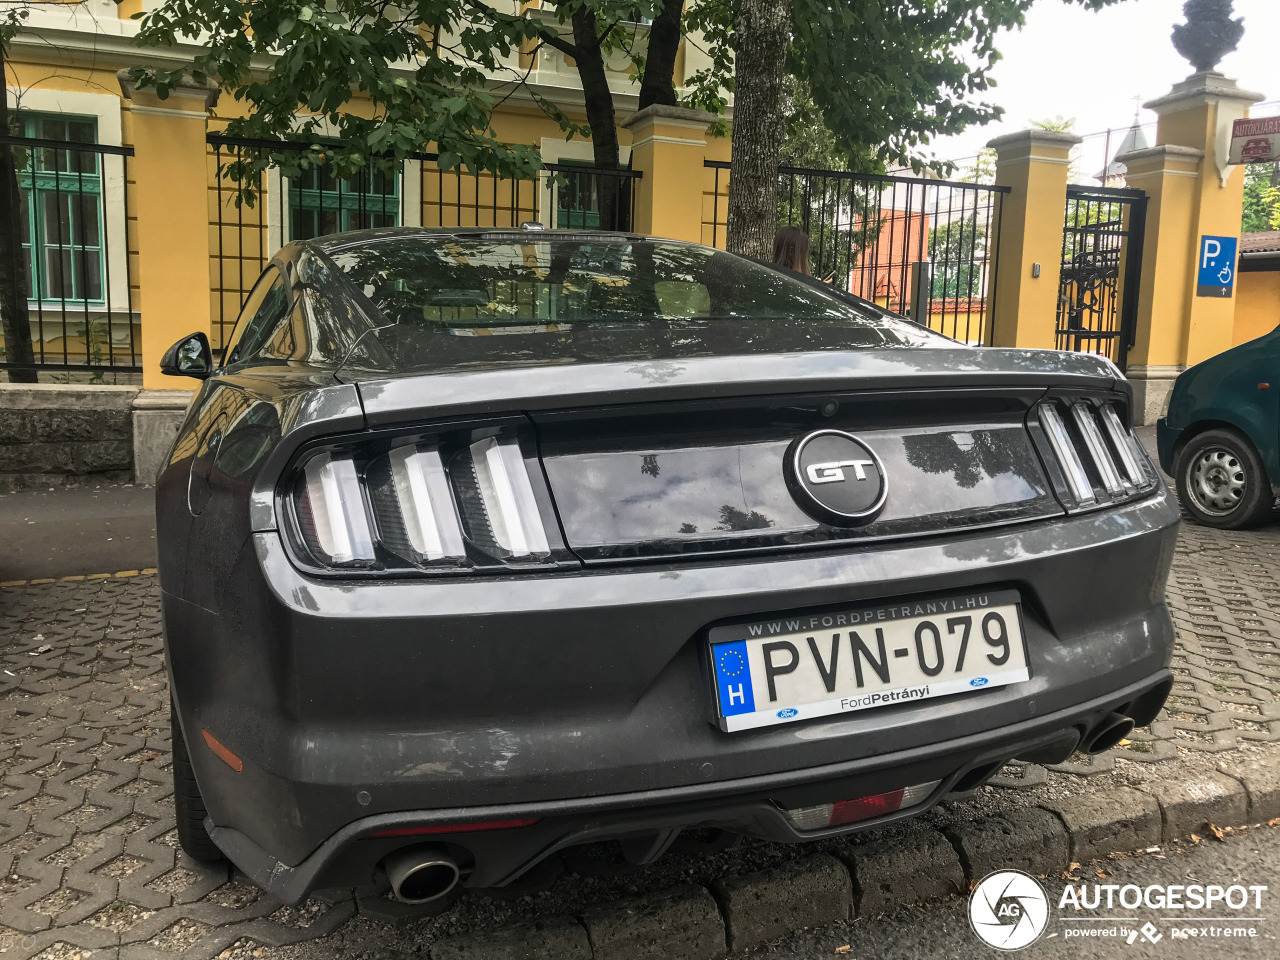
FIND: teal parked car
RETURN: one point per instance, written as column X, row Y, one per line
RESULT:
column 1220, row 440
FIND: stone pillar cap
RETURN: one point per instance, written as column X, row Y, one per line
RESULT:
column 1164, row 151
column 658, row 112
column 185, row 88
column 1035, row 138
column 1209, row 85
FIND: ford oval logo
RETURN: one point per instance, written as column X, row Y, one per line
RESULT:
column 788, row 713
column 979, row 682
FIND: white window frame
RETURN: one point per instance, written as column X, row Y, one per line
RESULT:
column 105, row 109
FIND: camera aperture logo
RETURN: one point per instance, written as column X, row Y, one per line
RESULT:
column 1008, row 910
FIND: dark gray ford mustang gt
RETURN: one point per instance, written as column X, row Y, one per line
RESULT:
column 480, row 545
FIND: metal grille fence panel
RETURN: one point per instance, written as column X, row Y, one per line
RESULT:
column 922, row 248
column 244, row 236
column 1102, row 239
column 77, row 266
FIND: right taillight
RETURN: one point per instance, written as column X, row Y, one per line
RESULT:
column 455, row 501
column 1100, row 460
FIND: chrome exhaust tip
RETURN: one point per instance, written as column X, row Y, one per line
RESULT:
column 421, row 874
column 1113, row 728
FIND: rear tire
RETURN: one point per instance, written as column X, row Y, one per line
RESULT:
column 1221, row 481
column 187, row 802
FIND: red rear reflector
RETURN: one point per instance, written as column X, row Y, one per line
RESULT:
column 864, row 808
column 221, row 752
column 453, row 828
column 843, row 812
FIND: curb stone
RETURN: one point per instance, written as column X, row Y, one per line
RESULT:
column 906, row 863
column 1261, row 781
column 762, row 906
column 1121, row 820
column 562, row 938
column 682, row 923
column 1186, row 806
column 1030, row 839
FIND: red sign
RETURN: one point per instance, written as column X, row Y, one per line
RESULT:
column 1255, row 141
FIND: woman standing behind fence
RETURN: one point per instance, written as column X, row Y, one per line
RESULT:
column 791, row 249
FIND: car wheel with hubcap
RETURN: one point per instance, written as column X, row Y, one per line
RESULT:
column 1222, row 482
column 188, row 804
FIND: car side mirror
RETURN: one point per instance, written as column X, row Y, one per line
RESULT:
column 189, row 357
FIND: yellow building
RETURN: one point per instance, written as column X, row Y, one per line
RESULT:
column 129, row 214
column 1258, row 286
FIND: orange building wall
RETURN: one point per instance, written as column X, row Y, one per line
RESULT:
column 1257, row 305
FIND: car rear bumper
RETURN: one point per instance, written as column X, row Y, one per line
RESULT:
column 567, row 697
column 751, row 806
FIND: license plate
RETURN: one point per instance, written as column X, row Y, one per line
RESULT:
column 792, row 668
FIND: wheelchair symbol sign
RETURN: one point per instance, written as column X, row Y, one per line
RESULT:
column 1217, row 266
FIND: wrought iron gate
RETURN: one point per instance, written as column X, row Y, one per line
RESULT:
column 1101, row 270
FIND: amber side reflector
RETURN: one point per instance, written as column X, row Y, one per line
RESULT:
column 1264, row 386
column 453, row 828
column 221, row 752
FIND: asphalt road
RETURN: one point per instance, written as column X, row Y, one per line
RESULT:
column 941, row 931
column 69, row 531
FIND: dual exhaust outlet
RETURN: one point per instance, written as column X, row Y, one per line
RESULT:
column 1113, row 728
column 421, row 874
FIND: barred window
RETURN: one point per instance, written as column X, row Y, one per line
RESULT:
column 321, row 204
column 577, row 199
column 61, row 210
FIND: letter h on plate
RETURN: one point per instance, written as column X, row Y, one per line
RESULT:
column 733, row 678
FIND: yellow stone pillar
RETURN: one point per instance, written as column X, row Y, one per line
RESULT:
column 169, row 194
column 1193, row 193
column 668, row 147
column 1035, row 164
column 1168, row 175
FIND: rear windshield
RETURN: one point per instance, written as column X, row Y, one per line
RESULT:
column 458, row 301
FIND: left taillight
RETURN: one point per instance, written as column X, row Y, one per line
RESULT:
column 456, row 501
column 331, row 512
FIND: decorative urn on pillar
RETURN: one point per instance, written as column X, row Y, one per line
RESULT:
column 1209, row 33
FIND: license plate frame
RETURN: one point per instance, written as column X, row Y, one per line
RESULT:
column 748, row 637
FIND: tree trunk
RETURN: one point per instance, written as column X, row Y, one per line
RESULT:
column 13, row 292
column 595, row 88
column 761, row 34
column 658, row 83
column 600, row 116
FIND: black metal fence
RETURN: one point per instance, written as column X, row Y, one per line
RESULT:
column 1102, row 240
column 922, row 248
column 317, row 203
column 76, row 272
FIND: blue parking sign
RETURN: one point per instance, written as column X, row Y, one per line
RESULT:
column 1217, row 267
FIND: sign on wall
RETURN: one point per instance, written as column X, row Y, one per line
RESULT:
column 1255, row 141
column 1217, row 268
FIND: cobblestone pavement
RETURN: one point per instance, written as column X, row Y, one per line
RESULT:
column 89, row 863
